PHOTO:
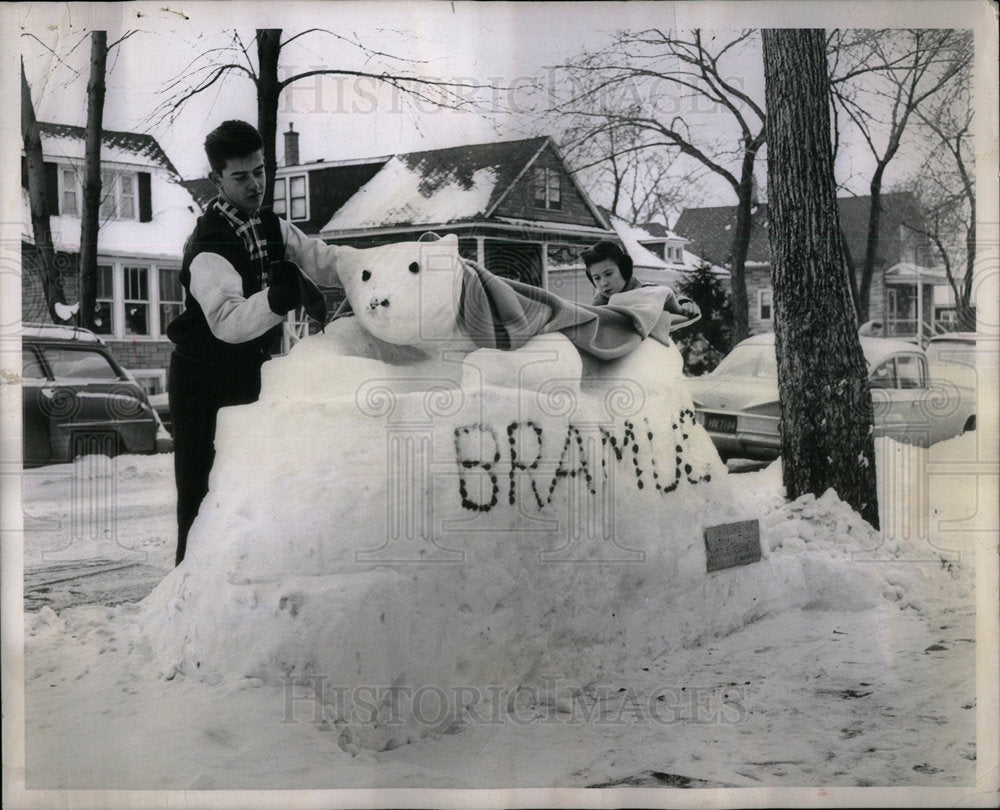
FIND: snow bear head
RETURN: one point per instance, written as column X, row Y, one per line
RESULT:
column 406, row 293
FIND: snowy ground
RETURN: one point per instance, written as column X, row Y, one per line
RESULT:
column 814, row 699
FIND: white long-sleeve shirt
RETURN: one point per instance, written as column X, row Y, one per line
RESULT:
column 218, row 289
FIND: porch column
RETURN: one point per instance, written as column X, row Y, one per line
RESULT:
column 920, row 308
column 481, row 251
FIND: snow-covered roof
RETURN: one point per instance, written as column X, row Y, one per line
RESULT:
column 174, row 208
column 642, row 233
column 439, row 186
column 202, row 189
column 910, row 272
column 66, row 141
column 399, row 195
column 174, row 216
column 629, row 236
column 657, row 231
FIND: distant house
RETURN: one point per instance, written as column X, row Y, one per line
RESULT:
column 903, row 286
column 663, row 242
column 514, row 205
column 146, row 214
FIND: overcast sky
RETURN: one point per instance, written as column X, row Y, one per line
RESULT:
column 493, row 43
column 496, row 43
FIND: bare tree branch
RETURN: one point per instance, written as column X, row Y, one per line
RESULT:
column 622, row 90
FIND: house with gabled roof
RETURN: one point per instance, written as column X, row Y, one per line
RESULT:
column 908, row 302
column 514, row 205
column 146, row 214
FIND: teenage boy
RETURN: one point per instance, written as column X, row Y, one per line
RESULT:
column 240, row 273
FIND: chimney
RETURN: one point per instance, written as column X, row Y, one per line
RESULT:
column 291, row 146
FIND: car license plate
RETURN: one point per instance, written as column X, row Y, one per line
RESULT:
column 720, row 422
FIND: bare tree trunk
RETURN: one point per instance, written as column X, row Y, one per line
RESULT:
column 871, row 244
column 40, row 210
column 826, row 405
column 964, row 301
column 740, row 306
column 268, row 91
column 90, row 219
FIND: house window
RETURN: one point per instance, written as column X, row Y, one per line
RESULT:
column 291, row 198
column 104, row 306
column 69, row 191
column 171, row 296
column 152, row 380
column 107, row 210
column 547, row 188
column 117, row 195
column 136, row 300
column 764, row 305
column 126, row 196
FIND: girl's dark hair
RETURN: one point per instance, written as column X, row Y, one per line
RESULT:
column 607, row 250
column 231, row 139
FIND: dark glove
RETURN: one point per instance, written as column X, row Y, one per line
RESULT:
column 283, row 293
column 290, row 288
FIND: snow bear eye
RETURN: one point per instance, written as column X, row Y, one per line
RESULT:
column 414, row 267
column 365, row 275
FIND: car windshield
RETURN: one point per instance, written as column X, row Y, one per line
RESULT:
column 748, row 361
column 951, row 351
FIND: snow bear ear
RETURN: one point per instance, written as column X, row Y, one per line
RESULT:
column 431, row 236
column 348, row 264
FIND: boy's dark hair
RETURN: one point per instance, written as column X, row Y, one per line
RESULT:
column 231, row 139
column 607, row 250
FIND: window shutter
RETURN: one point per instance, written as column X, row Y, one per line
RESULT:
column 52, row 187
column 145, row 197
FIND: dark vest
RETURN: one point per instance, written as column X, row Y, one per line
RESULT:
column 189, row 331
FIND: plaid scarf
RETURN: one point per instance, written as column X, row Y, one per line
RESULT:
column 248, row 228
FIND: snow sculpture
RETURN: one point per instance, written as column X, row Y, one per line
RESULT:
column 405, row 521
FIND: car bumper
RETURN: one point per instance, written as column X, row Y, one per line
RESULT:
column 754, row 437
column 72, row 439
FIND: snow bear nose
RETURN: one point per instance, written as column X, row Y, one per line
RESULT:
column 375, row 303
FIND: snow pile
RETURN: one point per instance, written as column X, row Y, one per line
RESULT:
column 472, row 522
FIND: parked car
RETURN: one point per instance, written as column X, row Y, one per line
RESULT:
column 77, row 400
column 738, row 405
